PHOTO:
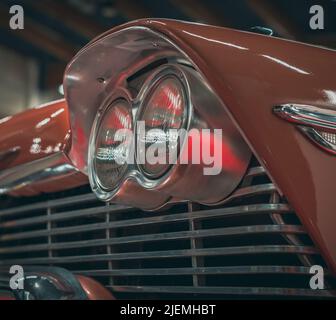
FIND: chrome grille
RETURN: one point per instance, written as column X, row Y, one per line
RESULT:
column 252, row 245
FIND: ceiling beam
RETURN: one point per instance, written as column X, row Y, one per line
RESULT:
column 132, row 9
column 201, row 12
column 275, row 19
column 285, row 27
column 44, row 39
column 70, row 17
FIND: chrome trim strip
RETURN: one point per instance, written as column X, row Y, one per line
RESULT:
column 307, row 115
column 311, row 120
column 42, row 169
column 316, row 137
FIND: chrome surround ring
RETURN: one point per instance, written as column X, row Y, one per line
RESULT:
column 101, row 191
column 123, row 167
column 151, row 83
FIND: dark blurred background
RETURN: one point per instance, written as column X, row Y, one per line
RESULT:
column 32, row 60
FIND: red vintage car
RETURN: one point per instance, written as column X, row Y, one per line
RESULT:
column 262, row 226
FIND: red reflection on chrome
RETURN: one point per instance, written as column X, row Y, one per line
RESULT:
column 117, row 118
column 201, row 143
column 166, row 106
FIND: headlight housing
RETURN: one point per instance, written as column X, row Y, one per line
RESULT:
column 162, row 86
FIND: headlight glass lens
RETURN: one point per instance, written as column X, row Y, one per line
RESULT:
column 113, row 144
column 164, row 108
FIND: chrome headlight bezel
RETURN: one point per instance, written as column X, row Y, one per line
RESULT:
column 134, row 171
column 203, row 111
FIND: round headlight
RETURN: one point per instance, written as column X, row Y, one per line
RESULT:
column 163, row 108
column 112, row 144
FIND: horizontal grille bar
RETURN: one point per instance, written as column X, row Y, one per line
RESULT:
column 251, row 191
column 232, row 270
column 242, row 291
column 255, row 171
column 228, row 251
column 245, row 230
column 65, row 216
column 89, row 197
column 237, row 211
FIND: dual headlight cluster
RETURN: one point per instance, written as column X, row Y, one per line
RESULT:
column 172, row 97
column 161, row 105
column 164, row 107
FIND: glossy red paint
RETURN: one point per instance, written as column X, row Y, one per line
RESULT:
column 34, row 134
column 94, row 290
column 252, row 73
